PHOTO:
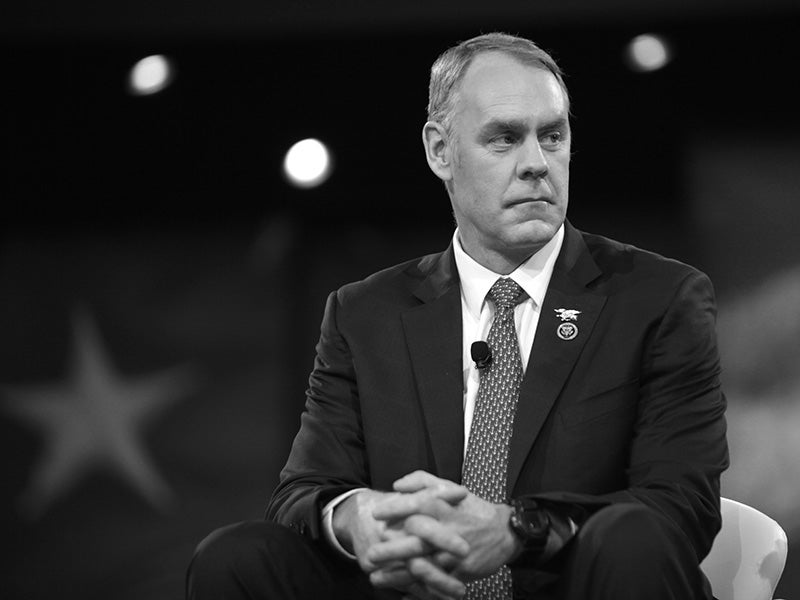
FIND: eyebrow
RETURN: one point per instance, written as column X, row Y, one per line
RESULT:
column 557, row 123
column 496, row 125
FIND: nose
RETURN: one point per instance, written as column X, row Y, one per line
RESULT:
column 532, row 163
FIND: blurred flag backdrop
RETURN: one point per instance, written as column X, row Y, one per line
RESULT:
column 143, row 404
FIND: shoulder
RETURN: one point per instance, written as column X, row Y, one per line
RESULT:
column 621, row 262
column 395, row 284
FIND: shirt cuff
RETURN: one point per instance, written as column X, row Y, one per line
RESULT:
column 327, row 522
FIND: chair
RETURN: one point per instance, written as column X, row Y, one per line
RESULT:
column 748, row 555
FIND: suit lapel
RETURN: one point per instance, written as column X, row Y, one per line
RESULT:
column 552, row 358
column 434, row 335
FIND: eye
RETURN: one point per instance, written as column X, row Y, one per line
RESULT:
column 504, row 140
column 552, row 139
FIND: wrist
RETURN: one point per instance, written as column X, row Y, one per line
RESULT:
column 343, row 516
column 530, row 526
column 351, row 514
column 513, row 544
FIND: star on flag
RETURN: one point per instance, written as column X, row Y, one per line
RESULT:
column 94, row 420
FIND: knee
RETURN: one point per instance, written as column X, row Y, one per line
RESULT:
column 234, row 543
column 233, row 551
column 630, row 536
column 219, row 546
column 630, row 551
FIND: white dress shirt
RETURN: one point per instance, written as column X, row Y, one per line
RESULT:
column 533, row 276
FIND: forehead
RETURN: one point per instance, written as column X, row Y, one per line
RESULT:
column 496, row 83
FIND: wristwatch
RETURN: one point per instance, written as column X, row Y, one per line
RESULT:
column 531, row 524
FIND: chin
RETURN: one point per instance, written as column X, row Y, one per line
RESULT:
column 533, row 234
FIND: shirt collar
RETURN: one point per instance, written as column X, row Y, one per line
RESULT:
column 533, row 275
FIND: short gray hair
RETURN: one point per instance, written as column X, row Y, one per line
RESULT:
column 448, row 70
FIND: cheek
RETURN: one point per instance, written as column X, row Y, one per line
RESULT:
column 480, row 187
column 560, row 171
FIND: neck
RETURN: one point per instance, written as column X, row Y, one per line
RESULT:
column 500, row 264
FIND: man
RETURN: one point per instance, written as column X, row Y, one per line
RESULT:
column 574, row 452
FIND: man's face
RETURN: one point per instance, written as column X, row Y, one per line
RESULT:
column 510, row 149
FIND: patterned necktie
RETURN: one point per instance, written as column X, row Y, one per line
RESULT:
column 486, row 461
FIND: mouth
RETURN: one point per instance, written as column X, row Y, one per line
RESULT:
column 529, row 200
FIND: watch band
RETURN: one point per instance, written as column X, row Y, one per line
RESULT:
column 531, row 525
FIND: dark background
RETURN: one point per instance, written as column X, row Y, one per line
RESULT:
column 160, row 232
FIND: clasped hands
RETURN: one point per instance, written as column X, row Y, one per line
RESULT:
column 428, row 537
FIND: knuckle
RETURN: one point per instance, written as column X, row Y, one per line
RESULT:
column 417, row 567
column 413, row 522
column 365, row 564
column 441, row 505
column 421, row 526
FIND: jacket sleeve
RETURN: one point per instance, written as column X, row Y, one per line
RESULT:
column 679, row 447
column 328, row 456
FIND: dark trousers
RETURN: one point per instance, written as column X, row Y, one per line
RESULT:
column 623, row 552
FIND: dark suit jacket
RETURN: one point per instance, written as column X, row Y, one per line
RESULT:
column 630, row 410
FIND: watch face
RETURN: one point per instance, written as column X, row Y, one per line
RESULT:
column 536, row 522
column 530, row 522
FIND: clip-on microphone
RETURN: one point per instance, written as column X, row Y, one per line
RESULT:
column 481, row 354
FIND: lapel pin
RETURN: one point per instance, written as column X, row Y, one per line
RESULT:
column 567, row 329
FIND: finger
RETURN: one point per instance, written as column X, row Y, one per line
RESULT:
column 434, row 579
column 450, row 493
column 436, row 535
column 381, row 554
column 421, row 592
column 401, row 579
column 446, row 561
column 404, row 505
column 416, row 481
column 436, row 595
column 395, row 577
column 401, row 548
column 442, row 488
column 420, row 480
column 417, row 535
column 418, row 592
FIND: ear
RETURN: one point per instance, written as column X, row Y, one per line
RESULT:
column 438, row 150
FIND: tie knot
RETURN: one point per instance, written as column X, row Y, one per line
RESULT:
column 506, row 293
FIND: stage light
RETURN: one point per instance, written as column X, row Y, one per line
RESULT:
column 647, row 52
column 307, row 163
column 150, row 75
